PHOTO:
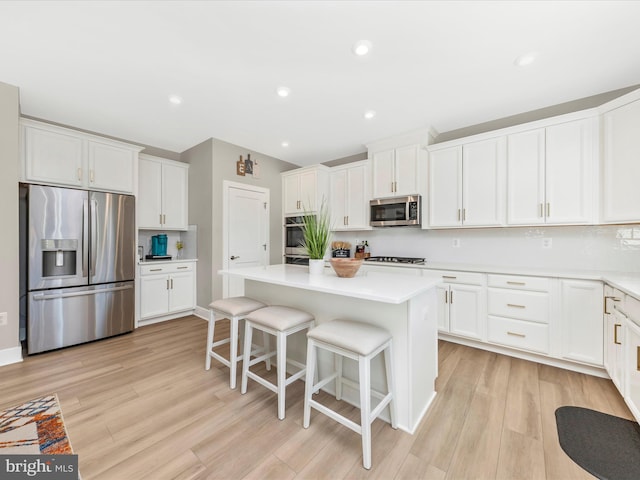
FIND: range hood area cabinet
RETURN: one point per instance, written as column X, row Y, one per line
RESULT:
column 163, row 194
column 54, row 155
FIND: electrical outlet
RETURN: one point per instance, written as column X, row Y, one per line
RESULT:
column 546, row 243
column 455, row 243
column 3, row 319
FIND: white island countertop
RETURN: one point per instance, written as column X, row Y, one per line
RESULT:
column 376, row 286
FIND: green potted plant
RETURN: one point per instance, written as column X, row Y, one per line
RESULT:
column 316, row 236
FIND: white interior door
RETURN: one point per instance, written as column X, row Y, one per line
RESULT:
column 246, row 228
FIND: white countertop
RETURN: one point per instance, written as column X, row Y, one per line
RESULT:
column 628, row 282
column 376, row 286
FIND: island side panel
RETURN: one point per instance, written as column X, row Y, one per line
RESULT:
column 397, row 318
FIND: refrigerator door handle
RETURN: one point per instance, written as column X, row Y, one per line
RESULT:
column 93, row 237
column 85, row 237
column 52, row 296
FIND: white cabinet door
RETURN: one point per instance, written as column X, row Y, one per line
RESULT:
column 406, row 170
column 111, row 167
column 308, row 193
column 525, row 178
column 616, row 323
column 621, row 171
column 149, row 194
column 181, row 293
column 383, row 171
column 483, row 182
column 53, row 157
column 465, row 311
column 569, row 172
column 442, row 296
column 175, row 184
column 582, row 322
column 154, row 295
column 291, row 189
column 632, row 364
column 357, row 196
column 338, row 199
column 445, row 195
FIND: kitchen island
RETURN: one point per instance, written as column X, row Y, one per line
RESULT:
column 404, row 305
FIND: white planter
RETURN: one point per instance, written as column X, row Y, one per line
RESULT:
column 316, row 267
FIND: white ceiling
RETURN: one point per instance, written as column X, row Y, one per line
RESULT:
column 109, row 67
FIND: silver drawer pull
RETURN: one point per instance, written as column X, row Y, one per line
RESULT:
column 180, row 268
column 155, row 270
column 516, row 283
column 449, row 277
column 514, row 334
column 512, row 305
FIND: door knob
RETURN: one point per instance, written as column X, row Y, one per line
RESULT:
column 233, row 257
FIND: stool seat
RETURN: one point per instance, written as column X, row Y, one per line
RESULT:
column 279, row 317
column 235, row 306
column 281, row 322
column 357, row 337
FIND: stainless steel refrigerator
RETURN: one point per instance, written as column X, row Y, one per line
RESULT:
column 81, row 266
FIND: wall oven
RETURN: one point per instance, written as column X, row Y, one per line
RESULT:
column 294, row 253
column 396, row 211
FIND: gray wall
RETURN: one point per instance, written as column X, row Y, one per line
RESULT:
column 211, row 163
column 9, row 161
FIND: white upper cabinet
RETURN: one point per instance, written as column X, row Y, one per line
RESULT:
column 551, row 174
column 304, row 189
column 163, row 194
column 349, row 198
column 467, row 184
column 621, row 164
column 61, row 156
column 396, row 171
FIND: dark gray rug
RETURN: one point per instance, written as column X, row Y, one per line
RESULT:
column 607, row 447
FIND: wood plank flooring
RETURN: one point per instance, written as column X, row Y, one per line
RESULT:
column 142, row 406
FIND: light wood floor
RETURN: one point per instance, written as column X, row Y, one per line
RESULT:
column 141, row 406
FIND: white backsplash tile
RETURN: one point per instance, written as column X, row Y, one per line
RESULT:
column 610, row 248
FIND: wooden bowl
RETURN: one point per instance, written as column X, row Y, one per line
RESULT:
column 346, row 267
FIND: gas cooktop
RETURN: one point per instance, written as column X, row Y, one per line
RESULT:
column 417, row 261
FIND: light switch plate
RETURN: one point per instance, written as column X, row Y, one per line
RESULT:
column 546, row 242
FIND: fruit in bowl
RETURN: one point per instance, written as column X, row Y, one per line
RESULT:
column 346, row 267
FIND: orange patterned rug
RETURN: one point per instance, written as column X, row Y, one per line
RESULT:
column 34, row 427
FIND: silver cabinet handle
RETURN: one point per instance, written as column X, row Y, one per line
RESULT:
column 181, row 268
column 450, row 277
column 155, row 270
column 514, row 334
column 516, row 283
column 512, row 305
column 233, row 257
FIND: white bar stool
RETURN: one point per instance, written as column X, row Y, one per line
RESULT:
column 235, row 309
column 360, row 342
column 279, row 321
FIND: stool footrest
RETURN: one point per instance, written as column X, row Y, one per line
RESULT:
column 336, row 416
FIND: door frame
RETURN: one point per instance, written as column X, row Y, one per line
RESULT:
column 227, row 185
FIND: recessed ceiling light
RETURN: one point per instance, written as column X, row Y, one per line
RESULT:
column 285, row 144
column 283, row 91
column 369, row 114
column 361, row 47
column 525, row 59
column 175, row 99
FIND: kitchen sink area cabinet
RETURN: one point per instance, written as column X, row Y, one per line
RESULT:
column 581, row 315
column 56, row 155
column 163, row 194
column 551, row 174
column 166, row 289
column 304, row 189
column 461, row 303
column 349, row 196
column 621, row 161
column 467, row 184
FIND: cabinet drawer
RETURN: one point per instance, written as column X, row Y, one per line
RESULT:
column 468, row 278
column 519, row 334
column 518, row 282
column 165, row 268
column 532, row 306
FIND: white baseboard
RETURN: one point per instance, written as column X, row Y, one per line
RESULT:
column 202, row 312
column 10, row 355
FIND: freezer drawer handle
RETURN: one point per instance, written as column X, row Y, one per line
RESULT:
column 42, row 296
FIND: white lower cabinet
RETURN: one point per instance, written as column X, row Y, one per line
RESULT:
column 166, row 289
column 614, row 328
column 632, row 365
column 461, row 304
column 582, row 321
column 519, row 312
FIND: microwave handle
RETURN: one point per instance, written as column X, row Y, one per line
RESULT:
column 407, row 210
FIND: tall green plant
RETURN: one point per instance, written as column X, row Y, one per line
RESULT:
column 317, row 232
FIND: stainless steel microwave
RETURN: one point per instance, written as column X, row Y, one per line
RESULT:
column 396, row 211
